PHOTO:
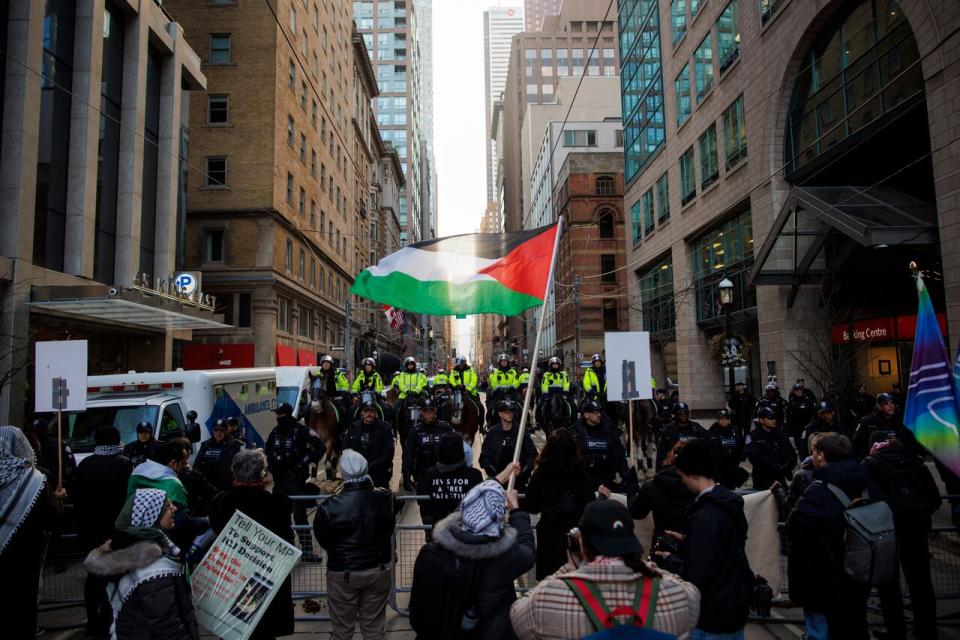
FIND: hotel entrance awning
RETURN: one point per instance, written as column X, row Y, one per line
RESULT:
column 132, row 308
column 793, row 252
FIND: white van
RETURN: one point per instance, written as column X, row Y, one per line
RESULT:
column 164, row 398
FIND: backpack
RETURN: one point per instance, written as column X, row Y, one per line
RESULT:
column 441, row 593
column 642, row 612
column 910, row 489
column 870, row 554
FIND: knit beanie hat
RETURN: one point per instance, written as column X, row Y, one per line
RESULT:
column 450, row 449
column 352, row 465
column 482, row 509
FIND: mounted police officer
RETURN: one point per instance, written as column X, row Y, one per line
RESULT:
column 332, row 380
column 420, row 453
column 440, row 379
column 554, row 376
column 502, row 382
column 409, row 380
column 600, row 445
column 523, row 379
column 368, row 378
column 373, row 439
column 464, row 377
column 595, row 379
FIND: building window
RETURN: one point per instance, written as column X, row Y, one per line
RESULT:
column 734, row 133
column 289, row 188
column 648, row 218
column 293, row 19
column 663, row 199
column 609, row 62
column 303, row 149
column 313, row 163
column 218, row 109
column 688, row 177
column 215, row 172
column 605, row 225
column 305, row 322
column 608, row 267
column 678, row 19
column 288, row 257
column 593, row 61
column 641, row 84
column 303, row 202
column 709, row 166
column 726, row 250
column 219, row 48
column 728, row 36
column 303, row 96
column 682, row 85
column 302, row 265
column 605, row 186
column 695, row 7
column 313, row 213
column 768, row 8
column 611, row 319
column 313, row 271
column 290, row 131
column 313, row 114
column 703, row 67
column 581, row 138
column 292, row 75
column 284, row 314
column 618, row 138
column 656, row 299
column 213, row 240
column 244, row 310
column 323, row 176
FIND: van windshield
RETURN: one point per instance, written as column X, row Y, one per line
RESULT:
column 80, row 427
column 289, row 394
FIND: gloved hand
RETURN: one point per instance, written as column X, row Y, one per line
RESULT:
column 762, row 597
column 408, row 485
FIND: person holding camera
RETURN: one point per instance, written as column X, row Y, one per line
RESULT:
column 711, row 550
column 605, row 572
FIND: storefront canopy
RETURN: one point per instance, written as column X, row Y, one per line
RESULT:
column 133, row 308
column 876, row 217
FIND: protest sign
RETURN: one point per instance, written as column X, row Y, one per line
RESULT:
column 239, row 576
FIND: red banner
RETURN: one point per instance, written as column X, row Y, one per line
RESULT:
column 217, row 356
column 286, row 356
column 306, row 358
column 882, row 329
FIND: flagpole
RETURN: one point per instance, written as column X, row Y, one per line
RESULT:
column 536, row 350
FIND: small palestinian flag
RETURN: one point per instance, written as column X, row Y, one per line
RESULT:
column 502, row 273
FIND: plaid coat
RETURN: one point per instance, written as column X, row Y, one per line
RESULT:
column 551, row 610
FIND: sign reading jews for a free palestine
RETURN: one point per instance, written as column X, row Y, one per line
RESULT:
column 239, row 576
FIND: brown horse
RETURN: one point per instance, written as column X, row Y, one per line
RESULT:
column 323, row 420
column 462, row 414
column 644, row 427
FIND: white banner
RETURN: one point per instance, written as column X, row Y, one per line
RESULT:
column 61, row 376
column 239, row 577
column 628, row 365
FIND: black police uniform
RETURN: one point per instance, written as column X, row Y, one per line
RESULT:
column 375, row 443
column 772, row 456
column 729, row 454
column 674, row 433
column 877, row 421
column 603, row 453
column 816, row 426
column 800, row 411
column 497, row 452
column 776, row 404
column 214, row 459
column 138, row 452
column 420, row 454
column 741, row 405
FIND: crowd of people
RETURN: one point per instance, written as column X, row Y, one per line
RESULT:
column 143, row 514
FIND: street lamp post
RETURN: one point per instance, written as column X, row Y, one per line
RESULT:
column 726, row 299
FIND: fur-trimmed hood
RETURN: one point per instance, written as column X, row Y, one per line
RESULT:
column 104, row 561
column 448, row 534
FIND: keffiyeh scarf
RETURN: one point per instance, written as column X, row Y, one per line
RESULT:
column 140, row 516
column 20, row 482
column 482, row 509
column 107, row 450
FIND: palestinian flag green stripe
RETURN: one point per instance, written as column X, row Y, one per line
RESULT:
column 439, row 297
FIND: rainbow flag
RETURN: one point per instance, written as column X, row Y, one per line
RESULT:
column 932, row 412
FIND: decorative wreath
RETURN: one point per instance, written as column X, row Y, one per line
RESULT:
column 730, row 353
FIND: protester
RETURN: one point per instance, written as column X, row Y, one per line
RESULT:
column 834, row 606
column 729, row 447
column 803, row 477
column 913, row 496
column 500, row 443
column 713, row 556
column 608, row 561
column 665, row 496
column 249, row 495
column 558, row 490
column 99, row 493
column 355, row 527
column 602, row 451
column 148, row 589
column 681, row 429
column 215, row 457
column 884, row 419
column 142, row 448
column 27, row 508
column 463, row 581
column 448, row 481
column 770, row 452
column 372, row 438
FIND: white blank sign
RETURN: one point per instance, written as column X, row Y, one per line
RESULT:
column 67, row 360
column 628, row 365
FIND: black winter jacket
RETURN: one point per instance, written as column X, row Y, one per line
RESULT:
column 157, row 609
column 603, row 453
column 560, row 502
column 715, row 561
column 877, row 421
column 497, row 452
column 729, row 448
column 800, row 411
column 138, row 452
column 667, row 497
column 273, row 512
column 816, row 532
column 420, row 452
column 214, row 461
column 375, row 443
column 914, row 504
column 502, row 559
column 674, row 433
column 99, row 493
column 816, row 426
column 772, row 455
column 355, row 526
column 446, row 486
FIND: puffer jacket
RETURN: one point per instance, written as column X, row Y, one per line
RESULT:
column 502, row 560
column 355, row 526
column 159, row 605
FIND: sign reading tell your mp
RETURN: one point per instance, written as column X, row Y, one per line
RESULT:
column 61, row 376
column 239, row 576
column 628, row 365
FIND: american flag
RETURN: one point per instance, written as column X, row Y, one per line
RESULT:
column 394, row 317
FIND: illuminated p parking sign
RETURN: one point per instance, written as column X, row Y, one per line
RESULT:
column 186, row 283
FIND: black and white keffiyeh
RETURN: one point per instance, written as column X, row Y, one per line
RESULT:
column 148, row 505
column 482, row 509
column 20, row 482
column 108, row 450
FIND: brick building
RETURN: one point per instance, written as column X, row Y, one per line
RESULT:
column 848, row 110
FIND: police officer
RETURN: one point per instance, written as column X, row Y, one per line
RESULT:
column 215, row 456
column 373, row 439
column 142, row 448
column 800, row 411
column 368, row 378
column 409, row 380
column 603, row 453
column 523, row 379
column 420, row 452
column 729, row 451
column 332, row 380
column 884, row 418
column 193, row 427
column 680, row 430
column 825, row 420
column 440, row 379
column 741, row 407
column 769, row 451
column 504, row 376
column 288, row 456
column 554, row 376
column 465, row 377
column 595, row 378
column 774, row 401
column 234, row 432
column 501, row 441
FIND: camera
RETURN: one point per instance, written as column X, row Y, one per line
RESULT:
column 666, row 543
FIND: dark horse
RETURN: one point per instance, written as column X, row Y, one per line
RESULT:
column 494, row 397
column 645, row 428
column 408, row 414
column 369, row 395
column 555, row 411
column 323, row 418
column 462, row 414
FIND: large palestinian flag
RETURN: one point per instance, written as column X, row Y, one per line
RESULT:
column 501, row 273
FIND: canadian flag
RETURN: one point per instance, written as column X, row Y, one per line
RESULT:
column 394, row 317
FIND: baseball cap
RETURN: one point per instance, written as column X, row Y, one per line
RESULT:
column 608, row 526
